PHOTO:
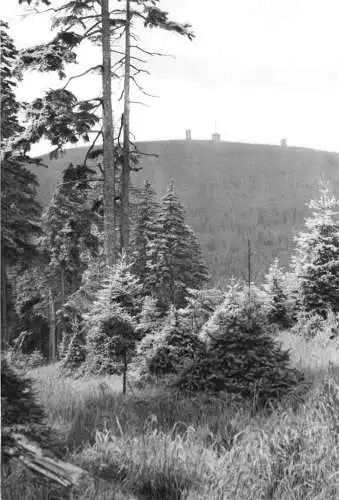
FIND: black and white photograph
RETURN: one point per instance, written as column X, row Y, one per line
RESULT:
column 169, row 249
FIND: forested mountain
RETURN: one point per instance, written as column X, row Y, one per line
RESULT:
column 232, row 192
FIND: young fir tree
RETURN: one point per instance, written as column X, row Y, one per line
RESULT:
column 78, row 304
column 171, row 251
column 167, row 351
column 241, row 357
column 111, row 323
column 316, row 263
column 201, row 304
column 144, row 233
column 277, row 296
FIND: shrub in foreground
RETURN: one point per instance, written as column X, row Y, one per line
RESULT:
column 241, row 357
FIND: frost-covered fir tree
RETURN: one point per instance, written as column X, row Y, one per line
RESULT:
column 316, row 263
column 277, row 297
column 200, row 306
column 145, row 231
column 111, row 322
column 168, row 350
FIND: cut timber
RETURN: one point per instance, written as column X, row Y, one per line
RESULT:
column 19, row 447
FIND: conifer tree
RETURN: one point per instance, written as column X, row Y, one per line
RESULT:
column 241, row 357
column 199, row 271
column 168, row 350
column 20, row 209
column 111, row 323
column 316, row 262
column 150, row 319
column 144, row 233
column 68, row 229
column 172, row 251
column 201, row 304
column 277, row 297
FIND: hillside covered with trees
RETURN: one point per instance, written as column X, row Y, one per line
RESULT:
column 231, row 192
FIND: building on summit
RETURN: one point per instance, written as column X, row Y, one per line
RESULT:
column 215, row 137
column 188, row 135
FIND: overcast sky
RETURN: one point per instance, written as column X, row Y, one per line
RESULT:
column 261, row 69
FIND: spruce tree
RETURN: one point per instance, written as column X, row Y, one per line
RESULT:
column 68, row 228
column 277, row 297
column 167, row 351
column 172, row 252
column 149, row 320
column 241, row 356
column 144, row 233
column 199, row 274
column 20, row 209
column 316, row 262
column 201, row 304
column 111, row 322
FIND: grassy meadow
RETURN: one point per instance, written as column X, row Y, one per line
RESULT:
column 158, row 445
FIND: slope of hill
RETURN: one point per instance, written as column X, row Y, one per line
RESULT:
column 232, row 192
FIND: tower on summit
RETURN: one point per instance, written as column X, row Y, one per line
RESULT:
column 188, row 135
column 215, row 135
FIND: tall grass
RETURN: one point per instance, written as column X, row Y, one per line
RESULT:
column 155, row 444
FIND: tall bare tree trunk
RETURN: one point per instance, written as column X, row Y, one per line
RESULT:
column 249, row 267
column 4, row 321
column 52, row 327
column 108, row 145
column 124, row 375
column 62, row 286
column 126, row 168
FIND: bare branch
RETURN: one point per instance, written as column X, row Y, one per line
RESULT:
column 93, row 68
column 142, row 89
column 161, row 54
column 141, row 103
column 92, row 146
column 88, row 32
